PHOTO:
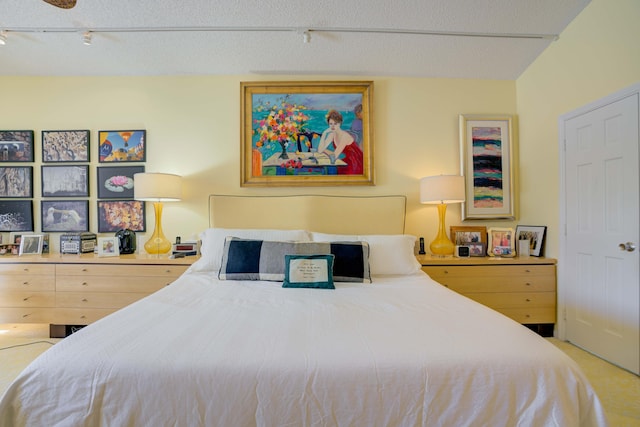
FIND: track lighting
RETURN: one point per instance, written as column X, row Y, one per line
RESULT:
column 3, row 38
column 86, row 38
column 306, row 36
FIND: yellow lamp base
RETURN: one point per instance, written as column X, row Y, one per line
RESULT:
column 441, row 245
column 157, row 243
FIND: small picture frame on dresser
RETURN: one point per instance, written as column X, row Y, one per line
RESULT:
column 535, row 235
column 108, row 246
column 501, row 242
column 31, row 244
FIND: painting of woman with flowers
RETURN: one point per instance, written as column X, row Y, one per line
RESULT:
column 307, row 133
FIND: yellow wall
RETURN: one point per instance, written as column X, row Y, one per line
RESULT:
column 193, row 129
column 597, row 54
column 193, row 123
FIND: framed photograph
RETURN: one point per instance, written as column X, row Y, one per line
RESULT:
column 535, row 235
column 477, row 249
column 16, row 215
column 486, row 145
column 16, row 182
column 466, row 235
column 31, row 244
column 108, row 246
column 114, row 215
column 9, row 249
column 116, row 182
column 65, row 146
column 16, row 146
column 65, row 181
column 306, row 133
column 121, row 146
column 501, row 242
column 65, row 215
column 16, row 237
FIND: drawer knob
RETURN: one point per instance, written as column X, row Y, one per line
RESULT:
column 25, row 269
column 527, row 316
column 83, row 317
column 527, row 300
column 528, row 284
column 26, row 299
column 26, row 315
column 85, row 284
column 446, row 272
column 527, row 271
column 84, row 269
column 25, row 283
column 84, row 300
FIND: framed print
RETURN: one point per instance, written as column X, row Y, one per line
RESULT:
column 16, row 182
column 65, row 146
column 535, row 235
column 486, row 145
column 114, row 215
column 65, row 181
column 16, row 215
column 116, row 182
column 65, row 215
column 108, row 246
column 16, row 146
column 306, row 133
column 501, row 242
column 465, row 235
column 31, row 244
column 16, row 237
column 121, row 146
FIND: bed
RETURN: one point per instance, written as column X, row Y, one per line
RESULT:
column 217, row 348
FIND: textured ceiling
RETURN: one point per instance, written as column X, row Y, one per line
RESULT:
column 347, row 37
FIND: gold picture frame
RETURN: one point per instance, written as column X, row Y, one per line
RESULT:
column 501, row 242
column 306, row 133
column 486, row 153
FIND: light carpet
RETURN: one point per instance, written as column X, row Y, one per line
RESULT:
column 619, row 390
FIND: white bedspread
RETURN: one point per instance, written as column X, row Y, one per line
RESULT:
column 402, row 351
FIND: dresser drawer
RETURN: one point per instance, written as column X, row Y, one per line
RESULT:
column 514, row 299
column 96, row 299
column 27, row 269
column 27, row 299
column 531, row 315
column 146, row 284
column 26, row 315
column 465, row 279
column 30, row 282
column 119, row 270
column 79, row 316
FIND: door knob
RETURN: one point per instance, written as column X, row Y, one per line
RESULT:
column 629, row 246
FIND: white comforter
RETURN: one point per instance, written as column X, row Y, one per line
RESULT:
column 402, row 351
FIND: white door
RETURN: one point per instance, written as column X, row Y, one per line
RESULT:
column 600, row 258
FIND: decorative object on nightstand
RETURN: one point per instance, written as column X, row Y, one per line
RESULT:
column 157, row 188
column 442, row 190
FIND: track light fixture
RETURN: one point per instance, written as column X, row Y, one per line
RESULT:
column 306, row 36
column 3, row 38
column 86, row 38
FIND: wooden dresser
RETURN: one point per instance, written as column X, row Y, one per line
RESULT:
column 79, row 289
column 523, row 289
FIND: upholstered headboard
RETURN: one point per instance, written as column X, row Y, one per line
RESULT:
column 322, row 213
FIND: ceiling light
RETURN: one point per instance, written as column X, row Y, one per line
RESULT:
column 306, row 37
column 3, row 37
column 86, row 38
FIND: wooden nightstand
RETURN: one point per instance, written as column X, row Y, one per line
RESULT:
column 523, row 289
column 79, row 289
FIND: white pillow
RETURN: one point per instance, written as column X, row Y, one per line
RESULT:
column 388, row 254
column 212, row 245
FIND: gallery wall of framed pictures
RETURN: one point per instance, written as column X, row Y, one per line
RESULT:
column 59, row 190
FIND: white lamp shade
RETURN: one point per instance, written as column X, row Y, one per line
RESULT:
column 442, row 189
column 157, row 187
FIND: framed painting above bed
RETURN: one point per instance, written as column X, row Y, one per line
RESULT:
column 306, row 133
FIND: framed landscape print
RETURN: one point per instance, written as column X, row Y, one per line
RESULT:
column 65, row 146
column 114, row 215
column 16, row 182
column 486, row 145
column 16, row 146
column 306, row 133
column 121, row 146
column 17, row 215
column 116, row 182
column 65, row 215
column 65, row 181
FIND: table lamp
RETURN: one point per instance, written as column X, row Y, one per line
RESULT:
column 441, row 190
column 157, row 188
